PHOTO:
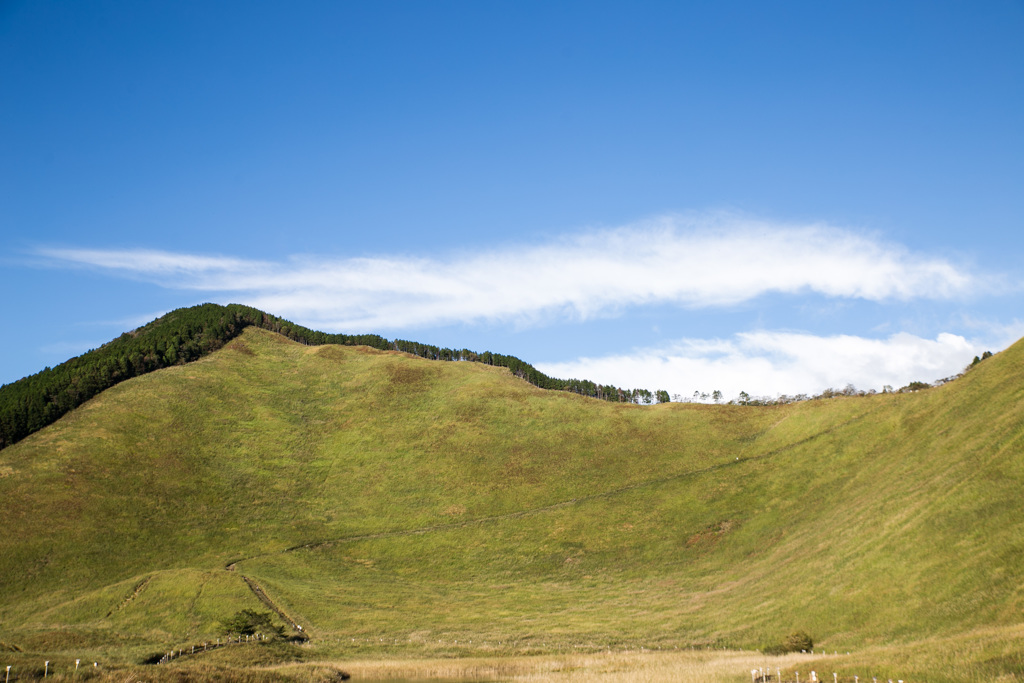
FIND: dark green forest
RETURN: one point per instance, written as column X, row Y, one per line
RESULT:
column 187, row 334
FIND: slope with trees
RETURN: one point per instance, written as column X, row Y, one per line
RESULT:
column 187, row 334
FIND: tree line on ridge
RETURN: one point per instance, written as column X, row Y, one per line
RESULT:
column 187, row 334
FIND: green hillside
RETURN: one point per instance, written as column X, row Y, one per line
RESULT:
column 188, row 334
column 399, row 507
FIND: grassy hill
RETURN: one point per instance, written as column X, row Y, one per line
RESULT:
column 188, row 334
column 399, row 507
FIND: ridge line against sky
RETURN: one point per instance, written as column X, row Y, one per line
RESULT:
column 712, row 261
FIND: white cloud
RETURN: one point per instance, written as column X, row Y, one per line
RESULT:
column 710, row 261
column 766, row 363
column 152, row 262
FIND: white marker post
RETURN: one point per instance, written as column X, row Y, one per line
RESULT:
column 753, row 676
column 46, row 668
column 76, row 664
column 8, row 674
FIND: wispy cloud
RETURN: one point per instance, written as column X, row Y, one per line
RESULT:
column 766, row 363
column 709, row 261
column 154, row 263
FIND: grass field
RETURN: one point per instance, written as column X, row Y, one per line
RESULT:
column 406, row 511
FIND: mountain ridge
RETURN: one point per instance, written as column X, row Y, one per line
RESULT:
column 187, row 334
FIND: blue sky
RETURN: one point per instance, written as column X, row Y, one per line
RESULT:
column 767, row 197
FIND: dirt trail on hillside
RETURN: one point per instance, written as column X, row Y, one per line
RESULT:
column 548, row 508
column 266, row 600
column 139, row 587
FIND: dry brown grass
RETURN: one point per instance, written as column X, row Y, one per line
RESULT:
column 701, row 666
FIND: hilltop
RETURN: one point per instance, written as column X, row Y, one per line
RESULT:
column 396, row 506
column 188, row 334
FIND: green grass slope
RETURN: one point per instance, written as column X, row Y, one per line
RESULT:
column 394, row 505
column 188, row 334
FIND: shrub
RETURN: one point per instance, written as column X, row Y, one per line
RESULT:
column 248, row 621
column 797, row 641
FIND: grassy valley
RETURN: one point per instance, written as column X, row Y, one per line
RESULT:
column 403, row 509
